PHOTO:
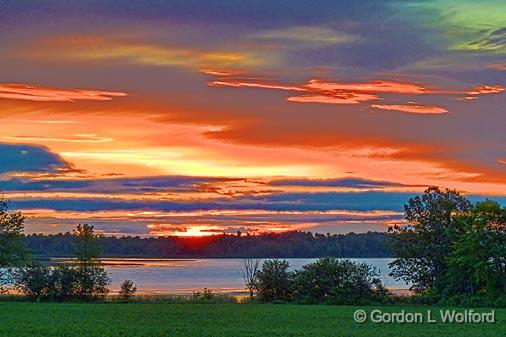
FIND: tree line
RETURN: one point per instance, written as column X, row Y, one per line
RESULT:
column 281, row 245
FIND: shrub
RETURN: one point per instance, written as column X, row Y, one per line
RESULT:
column 33, row 281
column 92, row 282
column 127, row 290
column 274, row 281
column 329, row 280
column 207, row 294
column 62, row 282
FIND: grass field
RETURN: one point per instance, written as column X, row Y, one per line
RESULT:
column 234, row 320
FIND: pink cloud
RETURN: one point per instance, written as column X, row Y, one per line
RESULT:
column 486, row 90
column 411, row 108
column 343, row 98
column 498, row 66
column 376, row 87
column 41, row 94
column 242, row 84
column 318, row 91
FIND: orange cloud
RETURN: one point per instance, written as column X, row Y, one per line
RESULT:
column 242, row 84
column 412, row 108
column 376, row 87
column 486, row 89
column 339, row 98
column 498, row 66
column 42, row 94
column 319, row 91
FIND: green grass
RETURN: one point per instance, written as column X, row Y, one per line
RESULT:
column 235, row 320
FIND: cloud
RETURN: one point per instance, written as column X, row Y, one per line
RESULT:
column 250, row 84
column 309, row 35
column 324, row 201
column 466, row 25
column 495, row 41
column 412, row 108
column 498, row 66
column 30, row 158
column 379, row 86
column 341, row 182
column 42, row 94
column 326, row 92
column 338, row 98
column 76, row 138
column 486, row 90
column 167, row 184
column 104, row 49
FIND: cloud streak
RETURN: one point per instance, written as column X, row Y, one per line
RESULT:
column 411, row 108
column 325, row 92
column 35, row 93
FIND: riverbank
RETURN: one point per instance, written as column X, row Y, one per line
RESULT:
column 227, row 320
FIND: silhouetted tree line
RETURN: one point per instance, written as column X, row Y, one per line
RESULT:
column 281, row 245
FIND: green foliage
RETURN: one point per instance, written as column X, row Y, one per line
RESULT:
column 477, row 263
column 274, row 281
column 223, row 320
column 86, row 246
column 127, row 290
column 422, row 247
column 13, row 252
column 92, row 280
column 34, row 281
column 452, row 249
column 85, row 279
column 329, row 280
column 58, row 283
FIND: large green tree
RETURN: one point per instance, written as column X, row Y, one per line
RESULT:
column 477, row 263
column 423, row 245
column 12, row 249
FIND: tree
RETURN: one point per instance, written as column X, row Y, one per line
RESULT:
column 92, row 279
column 329, row 280
column 477, row 263
column 127, row 290
column 86, row 246
column 422, row 247
column 42, row 282
column 249, row 274
column 12, row 249
column 274, row 281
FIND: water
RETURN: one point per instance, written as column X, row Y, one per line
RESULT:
column 183, row 276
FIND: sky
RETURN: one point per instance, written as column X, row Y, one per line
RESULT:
column 204, row 117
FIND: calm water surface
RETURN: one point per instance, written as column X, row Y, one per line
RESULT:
column 183, row 276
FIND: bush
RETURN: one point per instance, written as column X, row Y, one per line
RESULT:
column 274, row 281
column 62, row 282
column 33, row 281
column 329, row 280
column 92, row 282
column 128, row 289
